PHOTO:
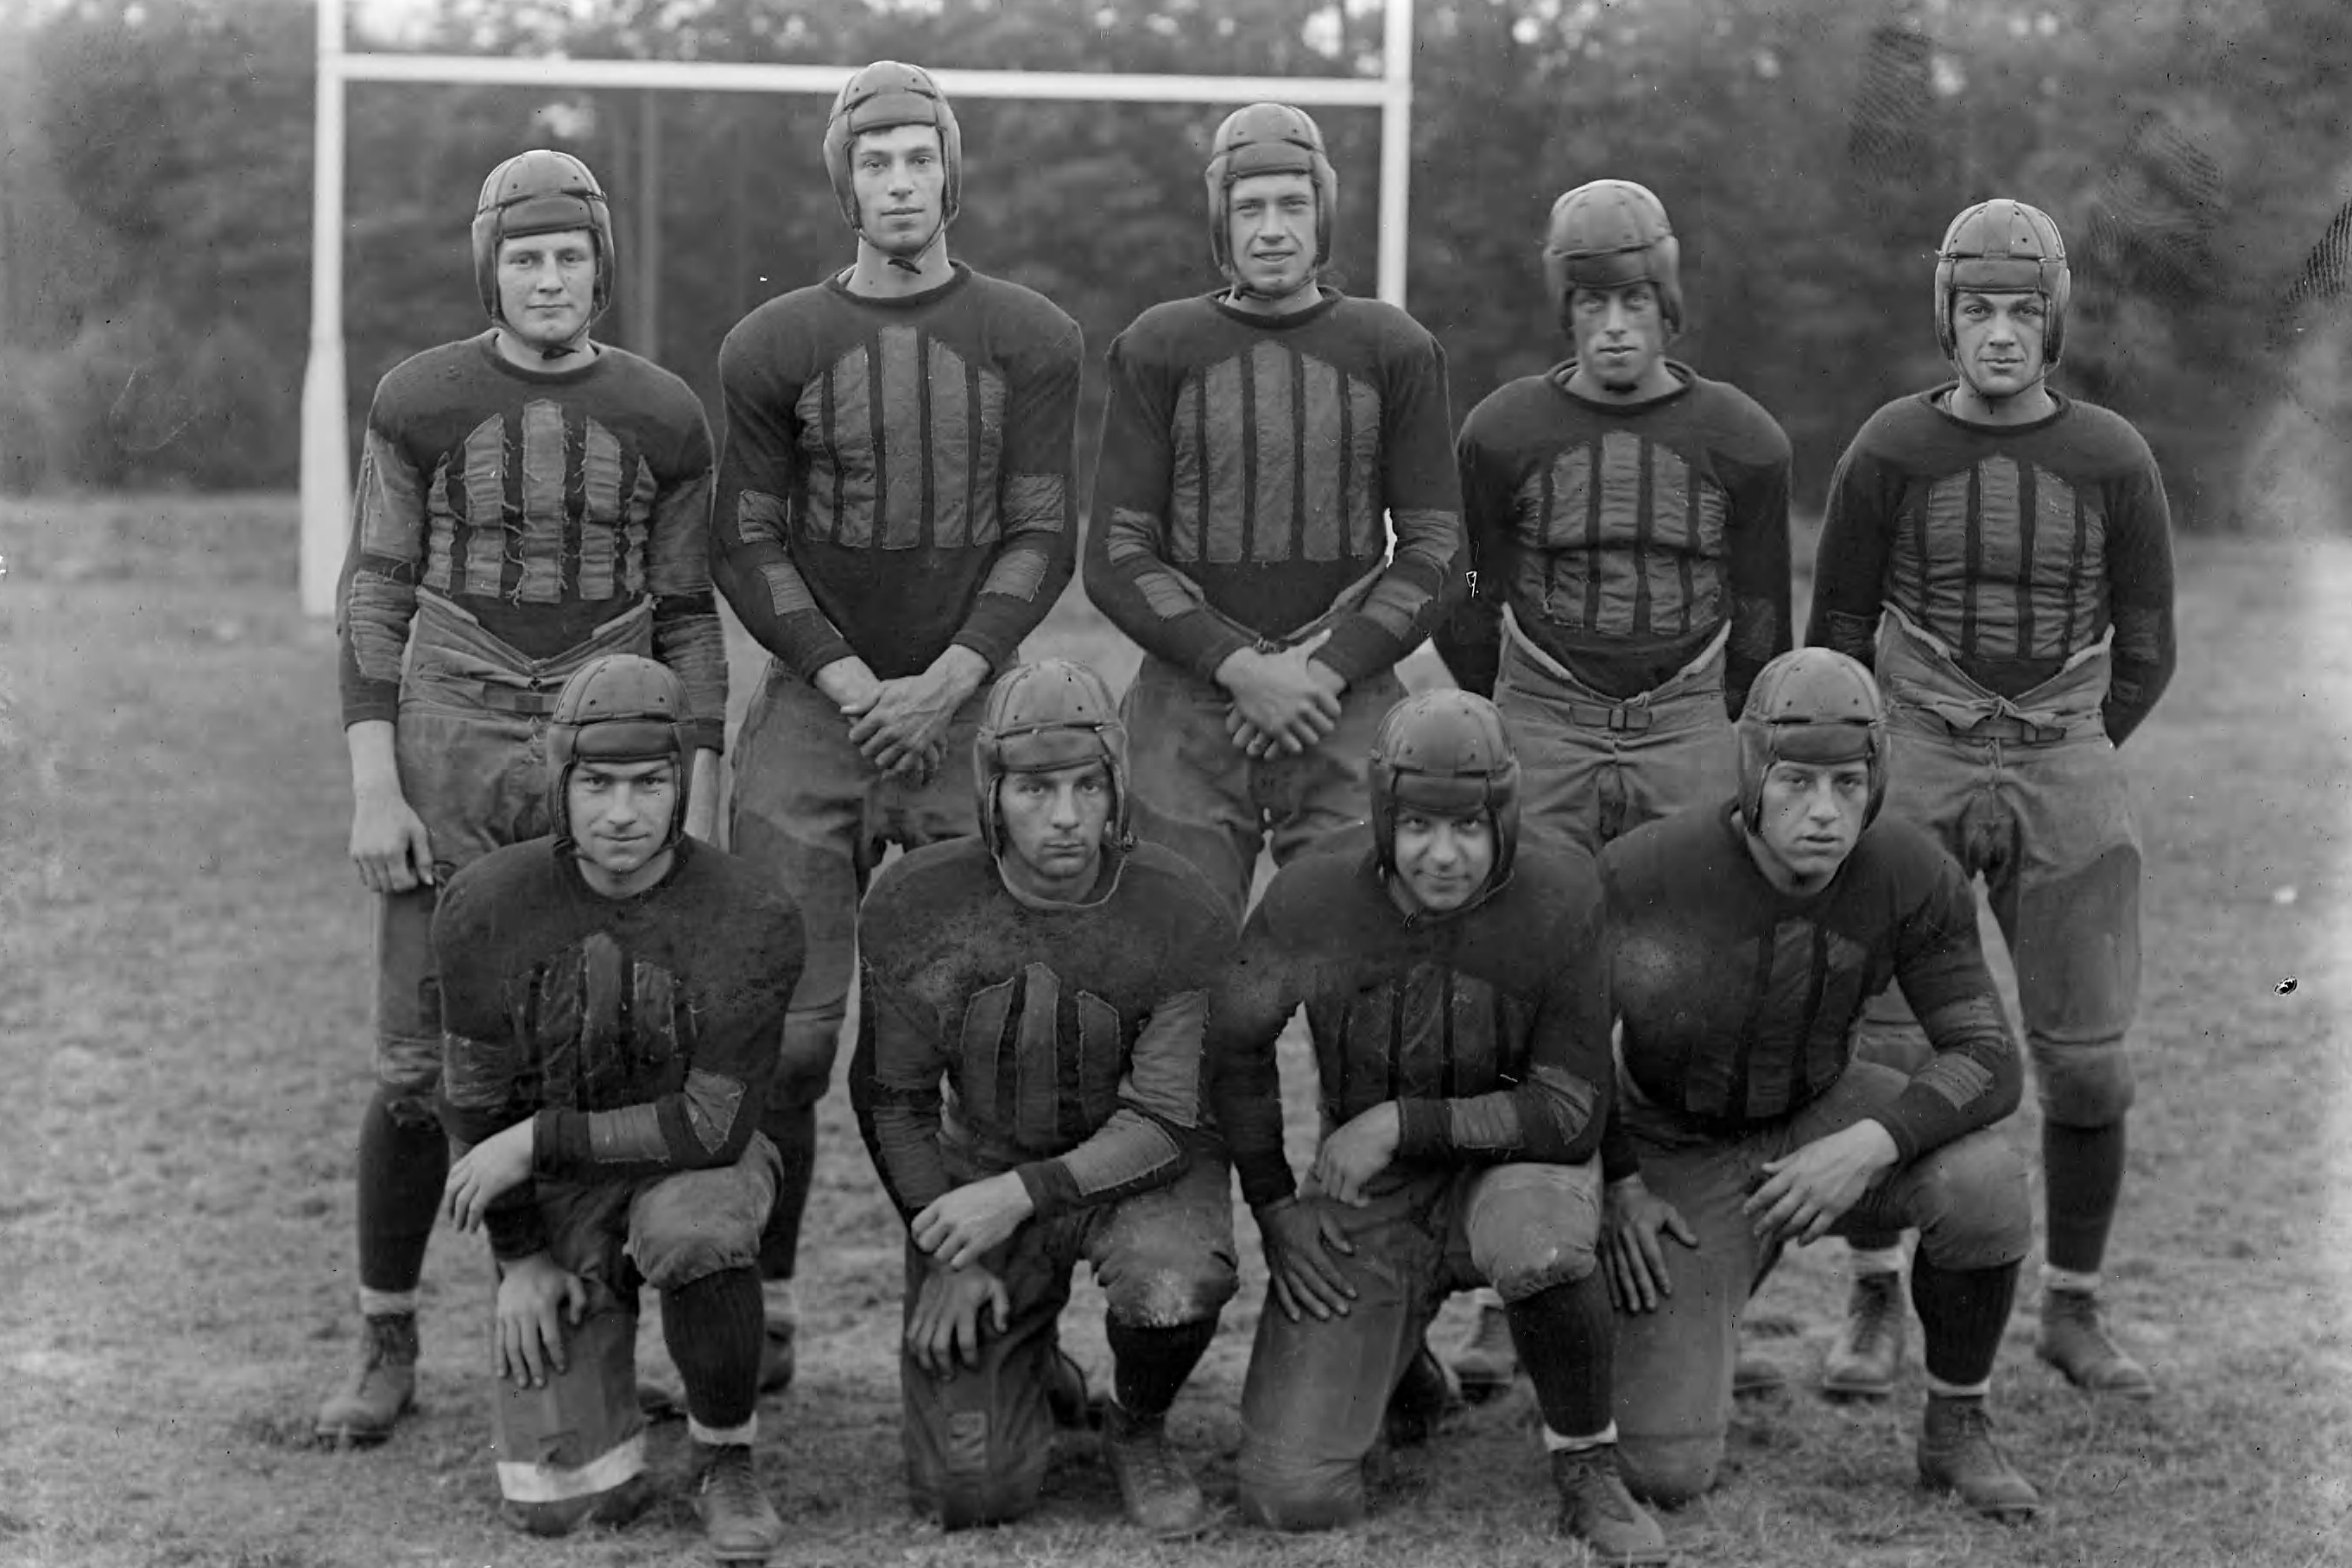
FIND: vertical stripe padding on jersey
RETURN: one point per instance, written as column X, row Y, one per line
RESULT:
column 2067, row 524
column 1102, row 1058
column 1323, row 462
column 1649, row 483
column 1036, row 1119
column 538, row 566
column 601, row 500
column 1774, row 1040
column 902, row 414
column 1474, row 1038
column 1972, row 560
column 1423, row 1017
column 484, row 532
column 636, row 528
column 1837, row 1004
column 1274, row 434
column 954, row 394
column 1993, row 543
column 987, row 1066
column 2021, row 568
column 1225, row 460
column 1940, row 540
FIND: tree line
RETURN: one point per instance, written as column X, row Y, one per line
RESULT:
column 155, row 208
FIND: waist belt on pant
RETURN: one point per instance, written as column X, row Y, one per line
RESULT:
column 536, row 699
column 1971, row 722
column 1628, row 718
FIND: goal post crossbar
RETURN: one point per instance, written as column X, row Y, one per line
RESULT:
column 326, row 467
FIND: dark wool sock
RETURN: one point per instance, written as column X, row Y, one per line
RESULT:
column 712, row 1329
column 401, row 1169
column 2083, row 1169
column 1153, row 1364
column 792, row 1130
column 1962, row 1312
column 1566, row 1337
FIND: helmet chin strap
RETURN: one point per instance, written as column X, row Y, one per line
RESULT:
column 911, row 264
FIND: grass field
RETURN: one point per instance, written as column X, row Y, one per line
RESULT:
column 183, row 984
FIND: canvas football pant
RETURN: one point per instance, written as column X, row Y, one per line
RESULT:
column 1316, row 1390
column 1199, row 795
column 472, row 745
column 977, row 1440
column 579, row 1437
column 1967, row 1199
column 810, row 811
column 2029, row 793
column 1594, row 768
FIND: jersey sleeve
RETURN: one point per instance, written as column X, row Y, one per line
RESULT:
column 487, row 1066
column 1128, row 575
column 1254, row 998
column 758, row 466
column 1470, row 640
column 1758, row 534
column 1149, row 1139
column 741, row 980
column 1037, row 498
column 1422, row 492
column 686, row 633
column 1555, row 1114
column 1849, row 561
column 895, row 1080
column 377, row 596
column 2139, row 595
column 1977, row 1074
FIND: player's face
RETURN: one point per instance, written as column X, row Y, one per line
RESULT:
column 621, row 814
column 901, row 183
column 1997, row 340
column 1621, row 336
column 1270, row 228
column 547, row 285
column 1444, row 860
column 1054, row 822
column 1809, row 818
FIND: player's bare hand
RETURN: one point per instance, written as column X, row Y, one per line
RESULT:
column 389, row 845
column 1284, row 698
column 946, row 1325
column 1634, row 1258
column 484, row 1172
column 966, row 1222
column 849, row 684
column 537, row 1296
column 1301, row 1235
column 1809, row 1190
column 1357, row 1153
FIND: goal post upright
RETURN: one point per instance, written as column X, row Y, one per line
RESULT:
column 326, row 481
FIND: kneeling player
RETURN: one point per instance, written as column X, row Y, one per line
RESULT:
column 1457, row 995
column 1056, row 981
column 1747, row 937
column 611, row 996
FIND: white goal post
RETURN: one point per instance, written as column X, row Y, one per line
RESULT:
column 325, row 463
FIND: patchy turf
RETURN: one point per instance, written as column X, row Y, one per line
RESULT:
column 184, row 977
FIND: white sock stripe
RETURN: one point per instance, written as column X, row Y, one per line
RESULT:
column 548, row 1483
column 2067, row 1279
column 387, row 1303
column 1876, row 1260
column 1943, row 1390
column 724, row 1437
column 1555, row 1443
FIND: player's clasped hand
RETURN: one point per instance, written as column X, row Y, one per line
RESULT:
column 945, row 1326
column 1357, row 1153
column 537, row 1296
column 961, row 1225
column 1808, row 1191
column 1633, row 1218
column 1301, row 1234
column 484, row 1172
column 1281, row 699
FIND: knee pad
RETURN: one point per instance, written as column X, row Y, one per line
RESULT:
column 1980, row 1206
column 1546, row 1258
column 1293, row 1498
column 1173, row 1295
column 411, row 1111
column 1668, row 1472
column 2084, row 1086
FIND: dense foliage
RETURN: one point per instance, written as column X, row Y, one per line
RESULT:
column 154, row 211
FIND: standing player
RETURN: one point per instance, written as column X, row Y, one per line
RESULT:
column 2002, row 557
column 528, row 500
column 895, row 515
column 1254, row 441
column 1029, row 1079
column 1457, row 992
column 612, row 995
column 1749, row 935
column 1628, row 522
